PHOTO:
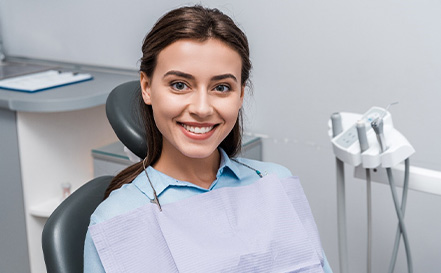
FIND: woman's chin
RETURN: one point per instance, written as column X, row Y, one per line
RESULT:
column 199, row 152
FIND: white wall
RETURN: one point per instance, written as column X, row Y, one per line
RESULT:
column 311, row 58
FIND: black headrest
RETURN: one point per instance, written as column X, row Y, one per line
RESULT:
column 122, row 109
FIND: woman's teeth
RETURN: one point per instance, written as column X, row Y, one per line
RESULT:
column 197, row 130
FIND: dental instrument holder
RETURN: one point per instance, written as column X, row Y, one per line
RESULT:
column 346, row 145
column 347, row 149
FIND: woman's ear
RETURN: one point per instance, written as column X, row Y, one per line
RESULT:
column 242, row 94
column 145, row 87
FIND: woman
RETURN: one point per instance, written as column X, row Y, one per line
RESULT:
column 193, row 74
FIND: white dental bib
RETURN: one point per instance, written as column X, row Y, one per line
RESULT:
column 263, row 227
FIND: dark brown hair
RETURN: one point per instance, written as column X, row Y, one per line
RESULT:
column 198, row 23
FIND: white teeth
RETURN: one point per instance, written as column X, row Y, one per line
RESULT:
column 197, row 130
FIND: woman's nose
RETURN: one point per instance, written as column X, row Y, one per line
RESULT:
column 201, row 104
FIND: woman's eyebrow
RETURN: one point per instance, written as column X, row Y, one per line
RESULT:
column 179, row 74
column 223, row 77
column 191, row 77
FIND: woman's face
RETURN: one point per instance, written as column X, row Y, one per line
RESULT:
column 196, row 94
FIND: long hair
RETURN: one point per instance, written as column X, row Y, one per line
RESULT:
column 198, row 23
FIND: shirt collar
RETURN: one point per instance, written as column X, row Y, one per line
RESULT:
column 226, row 162
column 161, row 181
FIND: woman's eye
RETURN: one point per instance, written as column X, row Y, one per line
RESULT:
column 222, row 88
column 179, row 86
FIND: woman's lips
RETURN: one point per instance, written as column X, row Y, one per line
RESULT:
column 198, row 131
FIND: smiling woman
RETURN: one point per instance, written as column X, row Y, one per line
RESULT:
column 196, row 98
column 193, row 74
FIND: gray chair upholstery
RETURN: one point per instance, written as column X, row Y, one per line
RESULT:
column 122, row 111
column 65, row 230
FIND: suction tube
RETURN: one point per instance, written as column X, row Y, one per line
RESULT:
column 364, row 145
column 337, row 128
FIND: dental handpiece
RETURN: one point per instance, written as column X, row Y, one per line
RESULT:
column 377, row 125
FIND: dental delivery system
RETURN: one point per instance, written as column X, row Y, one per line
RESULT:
column 370, row 141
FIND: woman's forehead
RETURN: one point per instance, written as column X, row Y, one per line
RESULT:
column 194, row 57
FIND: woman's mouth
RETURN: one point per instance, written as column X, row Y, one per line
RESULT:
column 197, row 129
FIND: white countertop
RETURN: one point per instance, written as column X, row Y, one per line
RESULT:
column 70, row 97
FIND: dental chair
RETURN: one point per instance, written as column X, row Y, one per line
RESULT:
column 122, row 111
column 65, row 230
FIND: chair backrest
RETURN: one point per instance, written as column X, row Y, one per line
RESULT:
column 122, row 109
column 65, row 230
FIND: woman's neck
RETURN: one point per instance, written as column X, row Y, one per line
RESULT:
column 199, row 171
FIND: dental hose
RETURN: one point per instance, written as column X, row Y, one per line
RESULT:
column 377, row 125
column 369, row 220
column 364, row 145
column 337, row 128
column 400, row 227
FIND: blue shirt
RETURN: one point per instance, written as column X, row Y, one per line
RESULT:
column 139, row 193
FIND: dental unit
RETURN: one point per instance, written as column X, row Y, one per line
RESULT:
column 370, row 141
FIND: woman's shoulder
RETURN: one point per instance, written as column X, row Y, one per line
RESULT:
column 266, row 167
column 120, row 201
